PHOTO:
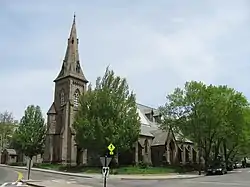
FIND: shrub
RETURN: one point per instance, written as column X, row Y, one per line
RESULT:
column 143, row 165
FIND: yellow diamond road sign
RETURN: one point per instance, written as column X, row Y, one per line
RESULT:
column 111, row 148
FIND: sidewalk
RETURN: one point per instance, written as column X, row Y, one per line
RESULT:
column 122, row 177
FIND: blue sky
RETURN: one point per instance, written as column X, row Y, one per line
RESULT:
column 156, row 45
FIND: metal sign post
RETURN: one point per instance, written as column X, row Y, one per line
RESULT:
column 105, row 163
column 105, row 171
column 29, row 166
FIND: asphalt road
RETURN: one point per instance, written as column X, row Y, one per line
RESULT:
column 232, row 179
column 240, row 177
column 7, row 175
column 235, row 178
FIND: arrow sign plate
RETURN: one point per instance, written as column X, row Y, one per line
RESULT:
column 102, row 159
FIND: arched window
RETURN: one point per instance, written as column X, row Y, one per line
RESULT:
column 76, row 98
column 62, row 98
column 146, row 146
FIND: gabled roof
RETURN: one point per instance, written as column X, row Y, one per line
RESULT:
column 143, row 118
column 147, row 126
column 152, row 128
column 52, row 109
column 11, row 151
column 160, row 137
column 146, row 109
column 179, row 137
column 146, row 130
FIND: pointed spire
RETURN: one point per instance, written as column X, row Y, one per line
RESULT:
column 71, row 63
column 74, row 20
column 73, row 34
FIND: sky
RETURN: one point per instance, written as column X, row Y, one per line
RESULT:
column 157, row 45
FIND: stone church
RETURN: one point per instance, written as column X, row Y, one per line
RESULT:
column 155, row 146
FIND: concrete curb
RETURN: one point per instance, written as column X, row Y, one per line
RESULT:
column 164, row 178
column 25, row 181
column 49, row 171
column 29, row 182
column 143, row 177
column 7, row 166
column 63, row 173
column 39, row 183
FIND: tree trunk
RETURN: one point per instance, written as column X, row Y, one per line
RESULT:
column 217, row 150
column 199, row 154
column 116, row 158
column 225, row 153
column 207, row 148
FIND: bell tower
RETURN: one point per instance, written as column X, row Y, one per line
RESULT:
column 69, row 85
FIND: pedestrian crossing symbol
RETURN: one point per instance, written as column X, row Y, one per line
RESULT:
column 111, row 148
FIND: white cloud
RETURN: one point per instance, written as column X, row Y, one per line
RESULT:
column 156, row 48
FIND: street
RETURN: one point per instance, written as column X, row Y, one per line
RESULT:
column 7, row 175
column 238, row 177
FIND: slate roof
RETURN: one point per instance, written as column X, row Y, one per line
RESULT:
column 160, row 137
column 147, row 126
column 11, row 151
column 147, row 130
column 144, row 120
column 179, row 137
column 152, row 128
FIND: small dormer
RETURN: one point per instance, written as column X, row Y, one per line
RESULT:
column 154, row 116
column 150, row 115
column 158, row 118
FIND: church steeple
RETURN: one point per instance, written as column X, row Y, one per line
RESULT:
column 71, row 63
column 70, row 84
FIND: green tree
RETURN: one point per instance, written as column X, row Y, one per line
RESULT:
column 29, row 137
column 210, row 115
column 233, row 130
column 7, row 127
column 237, row 139
column 244, row 148
column 188, row 111
column 107, row 114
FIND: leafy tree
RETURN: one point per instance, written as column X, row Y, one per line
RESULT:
column 7, row 127
column 235, row 125
column 107, row 114
column 29, row 137
column 211, row 116
column 237, row 146
column 185, row 111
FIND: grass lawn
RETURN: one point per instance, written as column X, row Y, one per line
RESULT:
column 120, row 170
column 138, row 170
